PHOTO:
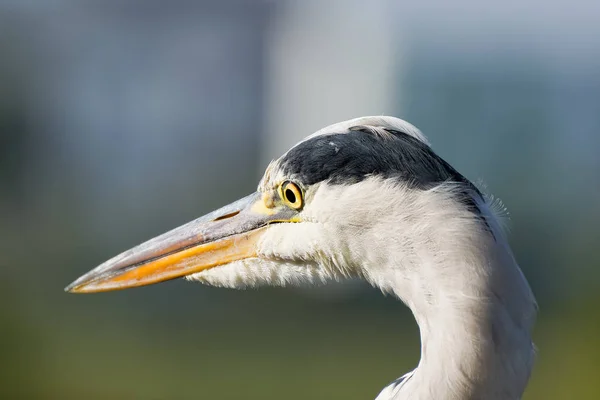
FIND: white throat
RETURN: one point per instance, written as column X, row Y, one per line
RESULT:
column 472, row 349
column 474, row 308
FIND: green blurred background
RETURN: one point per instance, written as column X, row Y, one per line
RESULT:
column 122, row 119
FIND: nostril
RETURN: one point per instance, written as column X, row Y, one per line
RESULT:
column 233, row 214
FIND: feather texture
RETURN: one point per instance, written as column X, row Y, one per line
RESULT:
column 446, row 258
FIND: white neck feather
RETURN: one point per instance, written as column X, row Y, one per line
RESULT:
column 472, row 347
column 474, row 308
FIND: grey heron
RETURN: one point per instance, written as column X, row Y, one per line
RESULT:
column 368, row 198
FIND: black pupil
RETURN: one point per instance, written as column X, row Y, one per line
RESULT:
column 290, row 196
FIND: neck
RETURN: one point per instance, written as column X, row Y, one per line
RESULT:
column 488, row 356
column 475, row 312
column 474, row 345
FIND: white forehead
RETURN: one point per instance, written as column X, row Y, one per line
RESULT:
column 376, row 124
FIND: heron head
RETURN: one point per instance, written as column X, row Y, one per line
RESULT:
column 329, row 208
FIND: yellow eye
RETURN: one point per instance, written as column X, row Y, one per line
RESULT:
column 292, row 195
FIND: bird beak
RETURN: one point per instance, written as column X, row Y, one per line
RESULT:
column 228, row 234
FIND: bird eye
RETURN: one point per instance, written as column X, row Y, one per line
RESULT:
column 292, row 195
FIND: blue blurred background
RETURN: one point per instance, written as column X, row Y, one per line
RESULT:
column 122, row 119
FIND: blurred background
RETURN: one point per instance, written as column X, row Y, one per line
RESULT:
column 122, row 119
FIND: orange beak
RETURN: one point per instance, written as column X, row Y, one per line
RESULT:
column 226, row 235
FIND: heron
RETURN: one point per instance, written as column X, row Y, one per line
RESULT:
column 368, row 198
